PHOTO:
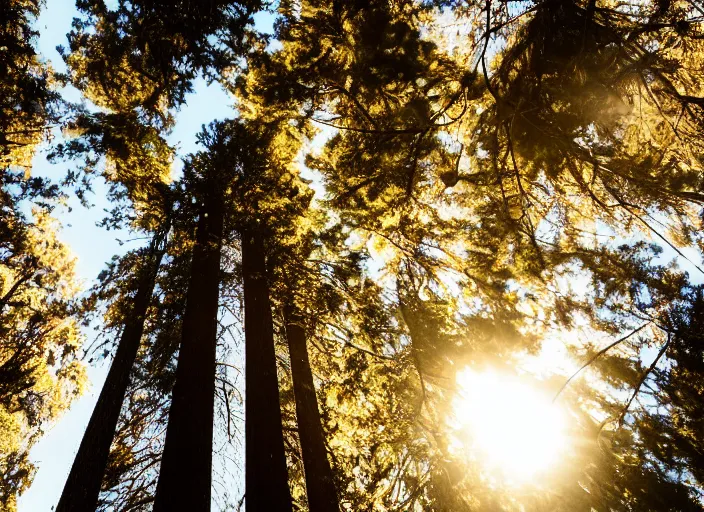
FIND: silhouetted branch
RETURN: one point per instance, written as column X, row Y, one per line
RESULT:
column 598, row 354
column 643, row 378
column 369, row 130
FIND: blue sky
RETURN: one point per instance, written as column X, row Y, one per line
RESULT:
column 93, row 246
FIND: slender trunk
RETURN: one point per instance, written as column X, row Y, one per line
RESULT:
column 266, row 476
column 320, row 483
column 186, row 464
column 82, row 487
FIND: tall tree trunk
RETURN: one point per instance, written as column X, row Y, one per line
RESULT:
column 82, row 487
column 320, row 483
column 266, row 476
column 186, row 465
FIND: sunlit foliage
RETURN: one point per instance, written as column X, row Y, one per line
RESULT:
column 40, row 373
column 476, row 216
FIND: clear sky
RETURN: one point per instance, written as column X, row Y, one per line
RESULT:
column 93, row 246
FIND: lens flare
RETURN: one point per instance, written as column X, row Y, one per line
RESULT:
column 512, row 428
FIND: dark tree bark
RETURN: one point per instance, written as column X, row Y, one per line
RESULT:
column 82, row 487
column 29, row 274
column 266, row 475
column 320, row 483
column 186, row 465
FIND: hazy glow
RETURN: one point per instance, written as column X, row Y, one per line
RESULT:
column 511, row 428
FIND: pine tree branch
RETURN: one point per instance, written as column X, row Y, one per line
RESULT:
column 672, row 246
column 369, row 352
column 238, row 370
column 357, row 104
column 643, row 378
column 596, row 356
column 482, row 58
column 369, row 130
column 227, row 406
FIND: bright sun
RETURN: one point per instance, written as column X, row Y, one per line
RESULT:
column 513, row 429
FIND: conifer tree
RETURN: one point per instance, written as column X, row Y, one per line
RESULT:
column 266, row 475
column 139, row 113
column 297, row 289
column 261, row 204
column 40, row 373
column 189, row 433
column 40, row 337
column 84, row 481
column 30, row 103
column 132, row 469
column 368, row 167
column 234, row 176
column 320, row 481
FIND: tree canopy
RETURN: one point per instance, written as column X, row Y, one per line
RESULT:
column 446, row 255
